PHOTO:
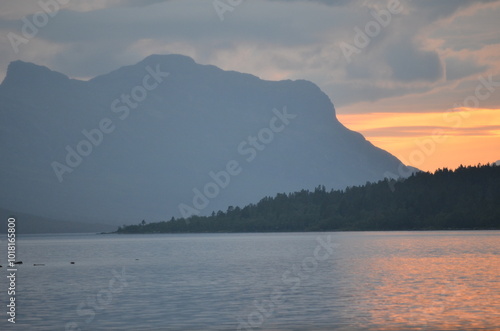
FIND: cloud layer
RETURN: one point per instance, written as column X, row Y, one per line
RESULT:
column 414, row 49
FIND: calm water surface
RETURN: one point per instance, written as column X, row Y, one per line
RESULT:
column 439, row 280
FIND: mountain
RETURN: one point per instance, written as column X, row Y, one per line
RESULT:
column 31, row 224
column 169, row 137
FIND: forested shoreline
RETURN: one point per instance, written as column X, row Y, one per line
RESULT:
column 465, row 198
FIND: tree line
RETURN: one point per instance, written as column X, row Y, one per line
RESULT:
column 464, row 198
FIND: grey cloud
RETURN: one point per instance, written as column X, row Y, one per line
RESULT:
column 435, row 10
column 350, row 92
column 142, row 3
column 298, row 40
column 408, row 63
column 457, row 68
column 325, row 2
column 431, row 10
column 181, row 23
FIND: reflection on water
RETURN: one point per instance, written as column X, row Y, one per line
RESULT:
column 435, row 292
column 372, row 281
column 437, row 282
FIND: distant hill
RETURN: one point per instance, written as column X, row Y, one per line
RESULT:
column 156, row 139
column 28, row 224
column 467, row 198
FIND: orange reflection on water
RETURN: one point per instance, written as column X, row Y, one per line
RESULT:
column 437, row 293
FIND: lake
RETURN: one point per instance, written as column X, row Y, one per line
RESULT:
column 433, row 280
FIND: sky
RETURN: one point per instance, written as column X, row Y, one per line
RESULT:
column 420, row 79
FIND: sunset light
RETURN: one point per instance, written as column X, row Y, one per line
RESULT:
column 429, row 141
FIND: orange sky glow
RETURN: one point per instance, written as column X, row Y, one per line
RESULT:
column 429, row 141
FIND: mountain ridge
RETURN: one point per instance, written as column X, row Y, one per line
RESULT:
column 21, row 72
column 189, row 125
column 32, row 224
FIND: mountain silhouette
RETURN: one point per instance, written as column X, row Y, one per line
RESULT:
column 169, row 137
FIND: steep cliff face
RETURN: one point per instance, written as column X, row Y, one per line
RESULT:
column 169, row 137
